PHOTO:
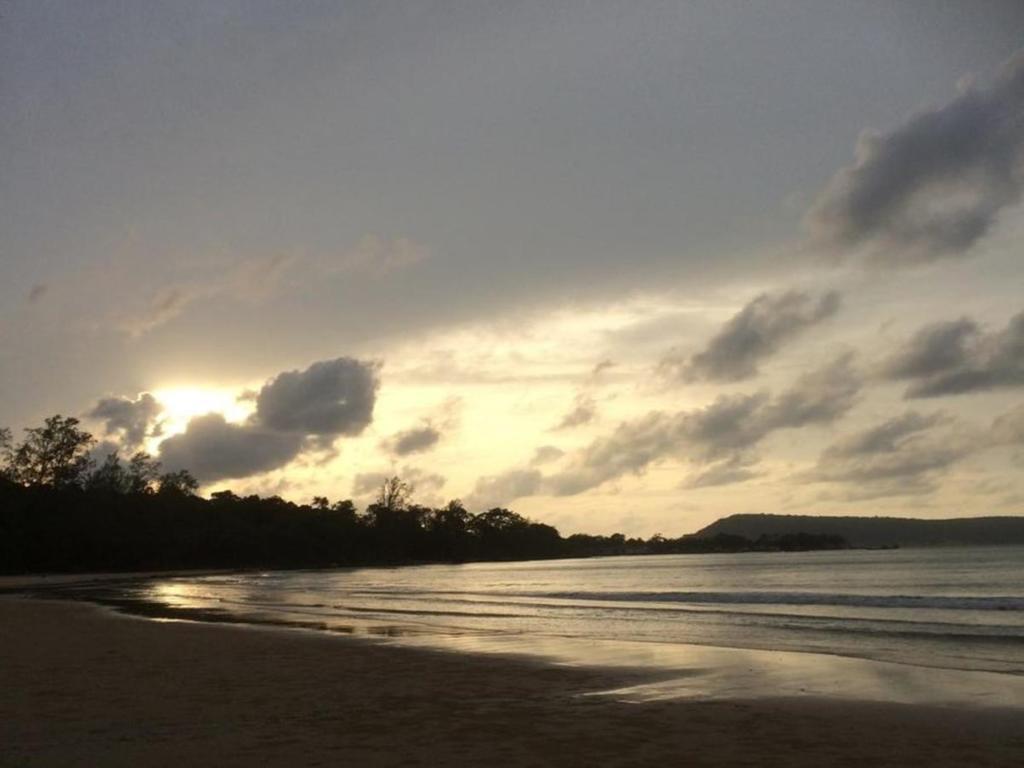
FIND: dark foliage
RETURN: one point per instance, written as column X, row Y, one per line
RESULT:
column 61, row 513
column 47, row 529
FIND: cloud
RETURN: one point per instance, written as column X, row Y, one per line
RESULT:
column 958, row 357
column 903, row 455
column 1008, row 429
column 818, row 397
column 546, row 454
column 584, row 408
column 295, row 411
column 753, row 334
column 377, row 257
column 212, row 448
column 720, row 431
column 415, row 440
column 422, row 480
column 908, row 454
column 735, row 469
column 367, row 483
column 583, row 412
column 101, row 450
column 934, row 185
column 601, row 367
column 935, row 349
column 629, row 449
column 442, row 420
column 167, row 304
column 131, row 419
column 257, row 279
column 330, row 398
column 498, row 490
column 248, row 280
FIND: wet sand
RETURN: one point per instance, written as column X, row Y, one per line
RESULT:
column 81, row 686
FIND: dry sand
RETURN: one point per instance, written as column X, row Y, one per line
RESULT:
column 80, row 686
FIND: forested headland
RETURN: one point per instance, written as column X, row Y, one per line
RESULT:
column 64, row 510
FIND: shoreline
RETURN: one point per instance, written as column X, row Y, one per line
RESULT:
column 82, row 684
column 655, row 670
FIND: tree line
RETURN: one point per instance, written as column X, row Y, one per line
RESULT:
column 61, row 510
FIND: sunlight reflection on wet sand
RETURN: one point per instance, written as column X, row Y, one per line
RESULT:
column 699, row 672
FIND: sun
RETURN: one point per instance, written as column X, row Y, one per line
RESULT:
column 180, row 404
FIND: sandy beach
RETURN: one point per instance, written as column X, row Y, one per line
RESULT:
column 82, row 686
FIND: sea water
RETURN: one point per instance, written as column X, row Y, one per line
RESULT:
column 943, row 625
column 948, row 608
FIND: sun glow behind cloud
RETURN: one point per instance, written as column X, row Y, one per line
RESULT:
column 181, row 404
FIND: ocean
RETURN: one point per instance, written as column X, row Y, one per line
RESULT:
column 949, row 608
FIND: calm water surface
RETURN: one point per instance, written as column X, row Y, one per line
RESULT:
column 947, row 608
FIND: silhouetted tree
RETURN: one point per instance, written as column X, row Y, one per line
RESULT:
column 180, row 483
column 344, row 510
column 109, row 476
column 497, row 519
column 394, row 494
column 5, row 451
column 143, row 473
column 448, row 529
column 55, row 454
column 58, row 514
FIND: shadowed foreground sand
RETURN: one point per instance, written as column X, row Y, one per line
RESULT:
column 81, row 687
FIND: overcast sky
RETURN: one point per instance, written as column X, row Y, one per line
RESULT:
column 620, row 266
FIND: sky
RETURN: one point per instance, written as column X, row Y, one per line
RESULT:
column 618, row 266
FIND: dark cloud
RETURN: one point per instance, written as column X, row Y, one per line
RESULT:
column 885, row 438
column 958, row 357
column 497, row 490
column 294, row 411
column 753, row 334
column 103, row 449
column 130, row 419
column 933, row 186
column 935, row 349
column 719, row 432
column 735, row 469
column 444, row 419
column 422, row 480
column 628, row 450
column 730, row 423
column 414, row 440
column 546, row 454
column 214, row 449
column 908, row 454
column 901, row 456
column 330, row 398
column 817, row 397
column 583, row 412
column 367, row 483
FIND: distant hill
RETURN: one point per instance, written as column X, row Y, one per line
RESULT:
column 877, row 531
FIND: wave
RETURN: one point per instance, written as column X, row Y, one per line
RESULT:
column 938, row 602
